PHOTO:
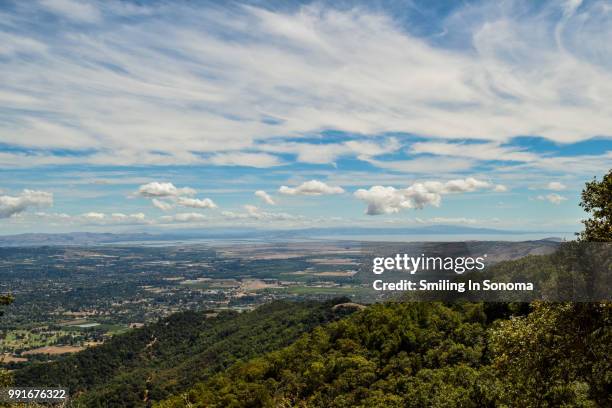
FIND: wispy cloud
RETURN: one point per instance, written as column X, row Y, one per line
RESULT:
column 255, row 213
column 244, row 159
column 479, row 151
column 183, row 218
column 329, row 152
column 552, row 198
column 74, row 10
column 113, row 96
column 95, row 218
column 190, row 80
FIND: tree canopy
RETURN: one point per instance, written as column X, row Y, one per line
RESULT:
column 596, row 199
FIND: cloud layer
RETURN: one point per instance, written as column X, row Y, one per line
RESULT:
column 114, row 96
column 196, row 84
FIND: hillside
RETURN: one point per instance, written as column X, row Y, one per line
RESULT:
column 171, row 355
column 428, row 355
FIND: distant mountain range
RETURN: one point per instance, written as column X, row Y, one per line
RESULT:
column 357, row 233
column 71, row 238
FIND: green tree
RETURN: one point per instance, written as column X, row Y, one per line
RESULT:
column 5, row 377
column 558, row 355
column 5, row 300
column 597, row 201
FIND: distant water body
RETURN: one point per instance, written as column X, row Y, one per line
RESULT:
column 449, row 237
column 361, row 238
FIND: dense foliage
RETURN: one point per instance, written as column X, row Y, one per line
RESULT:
column 389, row 355
column 597, row 201
column 5, row 377
column 169, row 356
column 426, row 355
column 557, row 355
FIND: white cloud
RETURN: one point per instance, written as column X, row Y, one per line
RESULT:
column 312, row 187
column 365, row 149
column 383, row 200
column 255, row 213
column 389, row 200
column 244, row 159
column 183, row 217
column 325, row 153
column 585, row 164
column 102, row 219
column 157, row 189
column 56, row 216
column 555, row 185
column 425, row 165
column 196, row 203
column 479, row 151
column 12, row 205
column 265, row 197
column 308, row 152
column 79, row 11
column 162, row 205
column 173, row 196
column 11, row 44
column 130, row 217
column 555, row 166
column 93, row 216
column 96, row 218
column 448, row 220
column 500, row 188
column 553, row 198
column 295, row 73
column 251, row 209
column 463, row 185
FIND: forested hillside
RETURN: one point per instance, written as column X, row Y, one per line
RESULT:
column 429, row 355
column 169, row 356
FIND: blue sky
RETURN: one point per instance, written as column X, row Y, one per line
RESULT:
column 147, row 116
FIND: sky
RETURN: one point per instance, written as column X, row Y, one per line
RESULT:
column 155, row 116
